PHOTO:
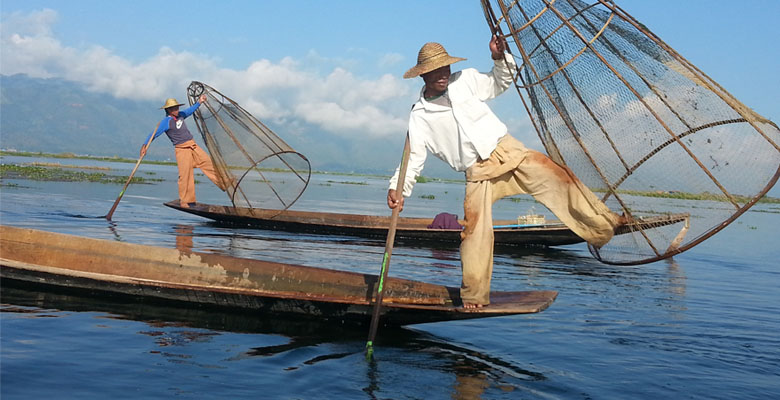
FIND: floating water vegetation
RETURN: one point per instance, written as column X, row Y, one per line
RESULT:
column 674, row 195
column 39, row 173
column 425, row 179
column 147, row 161
column 349, row 183
column 768, row 211
column 521, row 199
column 81, row 157
column 697, row 196
column 427, row 196
column 58, row 165
column 420, row 179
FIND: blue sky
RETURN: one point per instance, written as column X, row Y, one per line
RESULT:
column 337, row 65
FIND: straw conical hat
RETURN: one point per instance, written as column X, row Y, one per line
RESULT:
column 431, row 56
column 171, row 103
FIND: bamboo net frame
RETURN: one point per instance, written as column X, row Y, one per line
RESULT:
column 636, row 122
column 263, row 171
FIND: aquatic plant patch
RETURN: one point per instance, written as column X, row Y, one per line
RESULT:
column 40, row 173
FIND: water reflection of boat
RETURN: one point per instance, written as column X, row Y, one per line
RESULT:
column 507, row 233
column 110, row 268
column 472, row 369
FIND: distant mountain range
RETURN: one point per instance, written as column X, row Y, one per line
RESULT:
column 56, row 116
column 59, row 116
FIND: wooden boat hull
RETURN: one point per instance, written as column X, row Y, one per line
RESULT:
column 409, row 230
column 111, row 268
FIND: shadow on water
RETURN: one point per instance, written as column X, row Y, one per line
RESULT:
column 302, row 332
column 69, row 215
column 474, row 371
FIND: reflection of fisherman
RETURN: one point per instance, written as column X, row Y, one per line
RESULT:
column 452, row 121
column 183, row 238
column 188, row 154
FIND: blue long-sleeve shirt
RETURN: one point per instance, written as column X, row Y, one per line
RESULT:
column 175, row 128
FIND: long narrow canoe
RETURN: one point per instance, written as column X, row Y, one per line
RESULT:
column 110, row 268
column 507, row 233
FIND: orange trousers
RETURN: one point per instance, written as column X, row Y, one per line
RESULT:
column 513, row 169
column 188, row 157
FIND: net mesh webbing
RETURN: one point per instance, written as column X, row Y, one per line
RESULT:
column 263, row 171
column 645, row 129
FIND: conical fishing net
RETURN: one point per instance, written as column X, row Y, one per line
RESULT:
column 645, row 129
column 262, row 171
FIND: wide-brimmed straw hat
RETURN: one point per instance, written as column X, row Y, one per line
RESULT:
column 431, row 56
column 171, row 103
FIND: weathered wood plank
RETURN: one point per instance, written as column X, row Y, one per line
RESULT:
column 106, row 267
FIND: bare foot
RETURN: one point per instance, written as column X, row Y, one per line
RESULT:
column 622, row 220
column 472, row 305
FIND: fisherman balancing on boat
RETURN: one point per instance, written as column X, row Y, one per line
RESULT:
column 452, row 121
column 188, row 154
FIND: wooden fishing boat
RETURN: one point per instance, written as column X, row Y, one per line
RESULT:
column 117, row 269
column 507, row 233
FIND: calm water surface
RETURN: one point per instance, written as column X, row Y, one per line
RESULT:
column 704, row 325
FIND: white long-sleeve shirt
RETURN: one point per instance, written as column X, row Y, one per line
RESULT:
column 458, row 127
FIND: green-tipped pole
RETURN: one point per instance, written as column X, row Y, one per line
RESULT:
column 122, row 193
column 388, row 252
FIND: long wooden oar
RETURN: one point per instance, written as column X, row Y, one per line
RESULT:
column 399, row 190
column 122, row 193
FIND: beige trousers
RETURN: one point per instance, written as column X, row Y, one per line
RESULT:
column 513, row 169
column 188, row 157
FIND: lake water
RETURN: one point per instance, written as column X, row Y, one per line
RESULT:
column 703, row 325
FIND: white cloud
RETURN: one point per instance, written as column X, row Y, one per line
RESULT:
column 37, row 24
column 335, row 118
column 288, row 90
column 390, row 60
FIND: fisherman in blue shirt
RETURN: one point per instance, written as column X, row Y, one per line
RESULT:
column 188, row 154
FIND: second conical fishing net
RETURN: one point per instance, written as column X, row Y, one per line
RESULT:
column 261, row 170
column 649, row 132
